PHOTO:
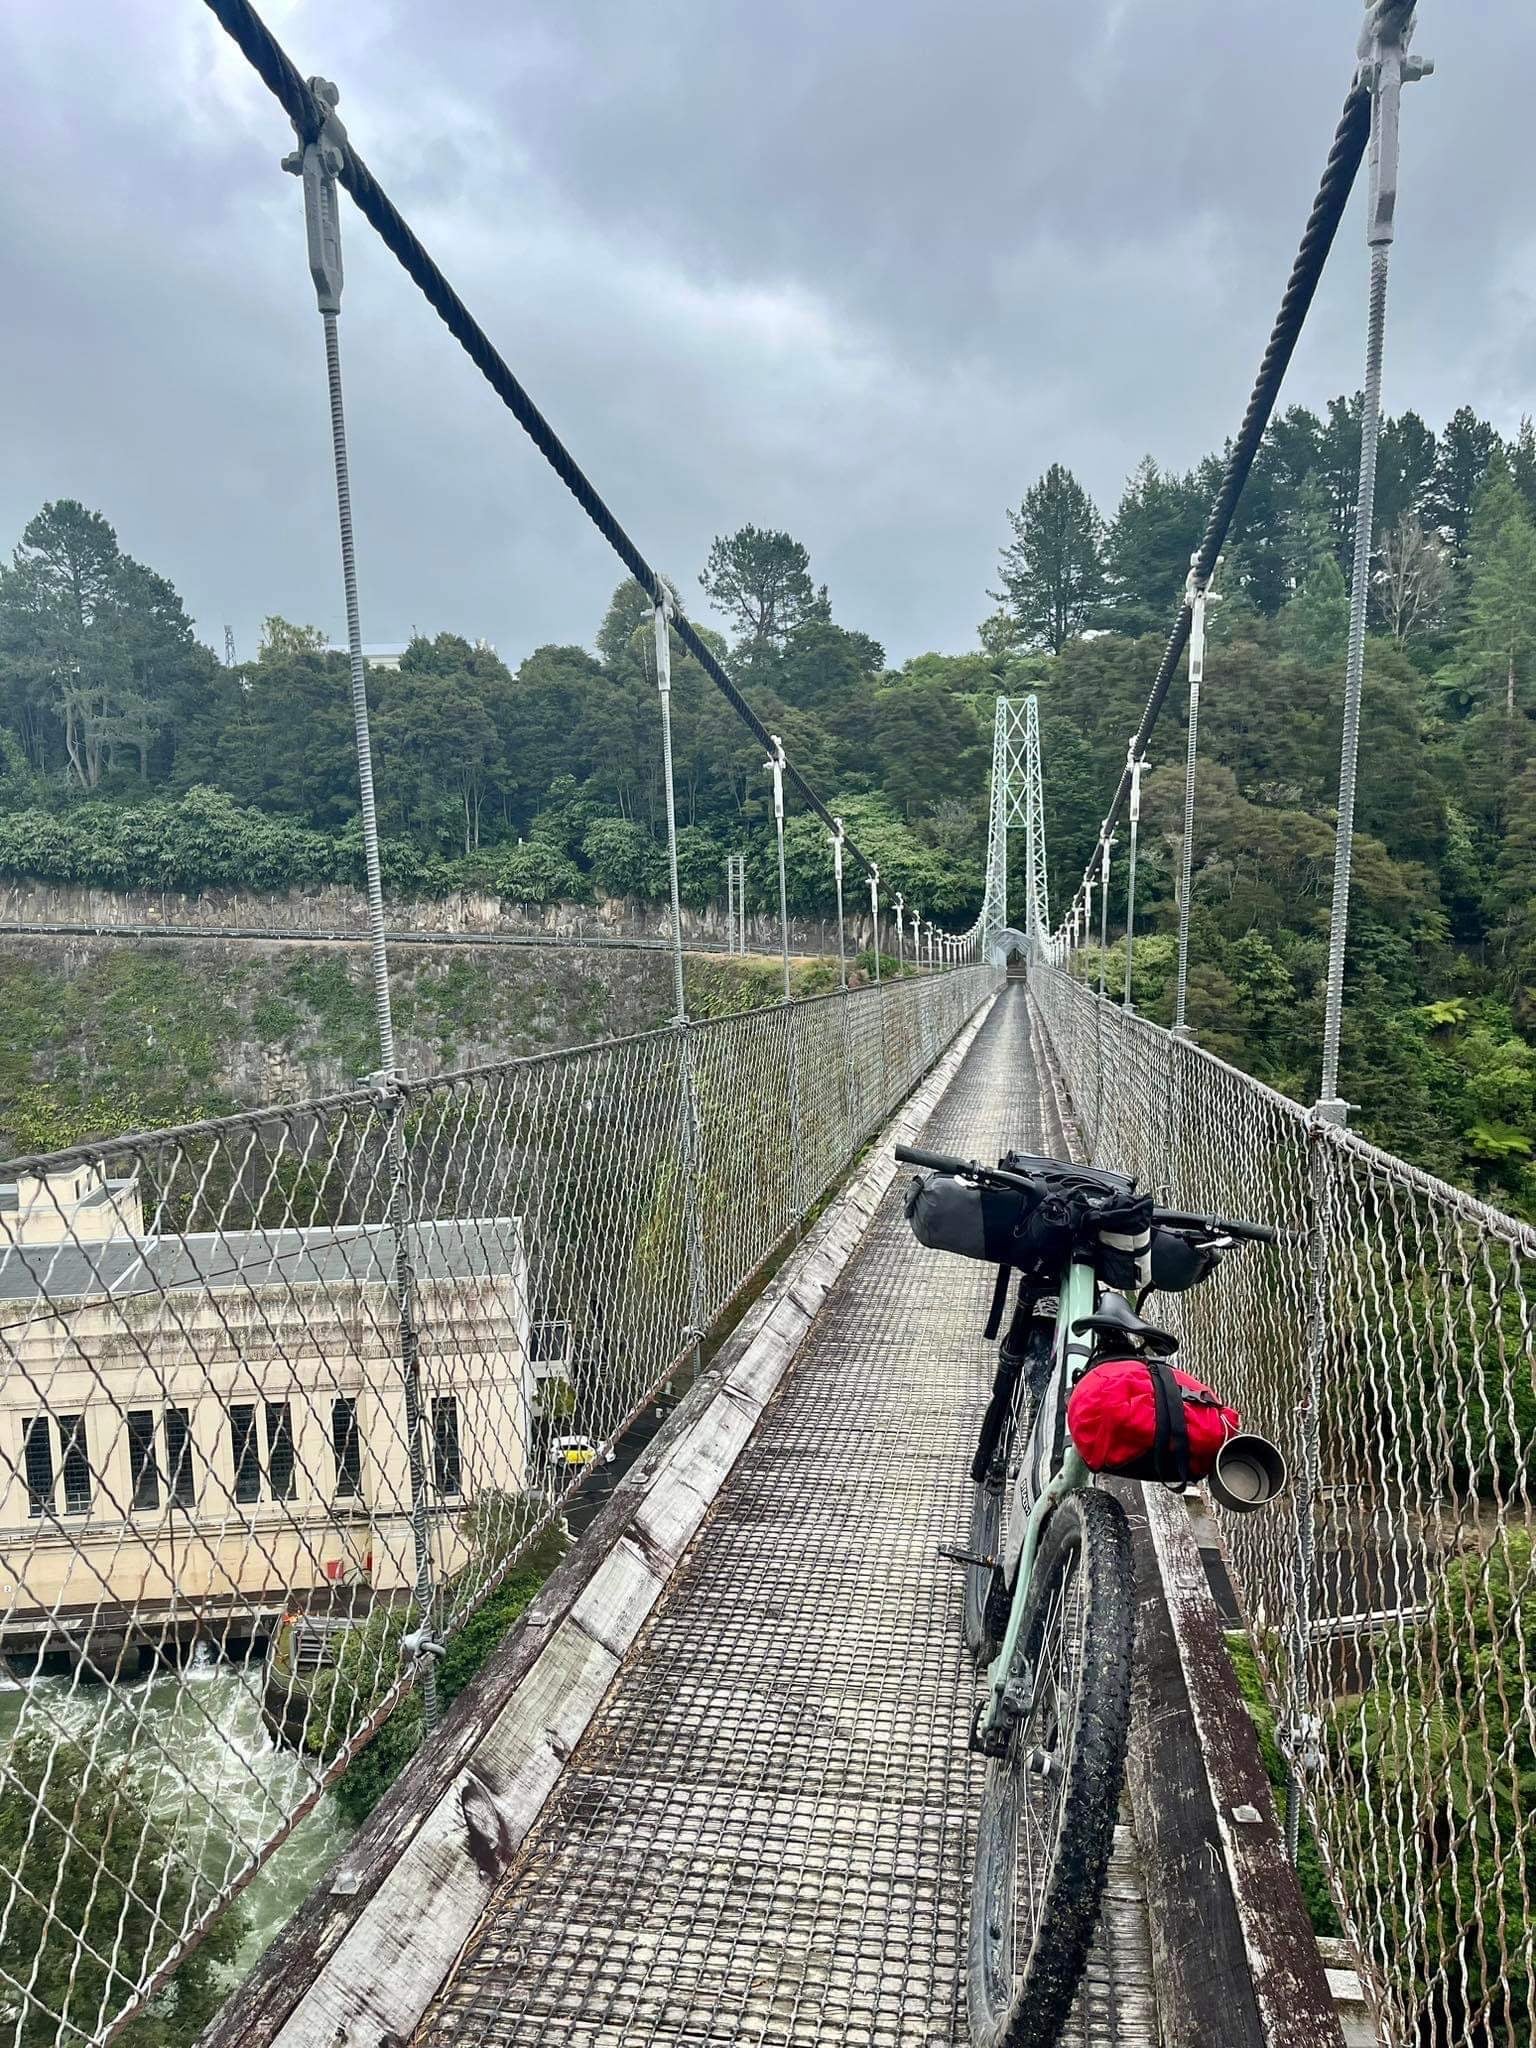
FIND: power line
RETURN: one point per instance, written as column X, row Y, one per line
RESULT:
column 281, row 77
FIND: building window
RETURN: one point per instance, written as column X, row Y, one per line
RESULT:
column 245, row 1451
column 344, row 1447
column 37, row 1458
column 279, row 1450
column 77, row 1465
column 178, row 1457
column 144, row 1475
column 447, row 1466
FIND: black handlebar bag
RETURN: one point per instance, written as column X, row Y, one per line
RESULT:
column 1008, row 1227
column 1035, row 1230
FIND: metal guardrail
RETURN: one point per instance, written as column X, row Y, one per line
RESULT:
column 1392, row 1601
column 227, row 1426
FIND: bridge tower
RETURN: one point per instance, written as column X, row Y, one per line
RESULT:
column 1018, row 804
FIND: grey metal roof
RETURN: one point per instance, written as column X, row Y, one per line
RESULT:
column 346, row 1254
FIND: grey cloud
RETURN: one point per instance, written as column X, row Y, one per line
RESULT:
column 861, row 272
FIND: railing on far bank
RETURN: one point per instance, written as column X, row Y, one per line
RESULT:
column 242, row 1414
column 1392, row 1598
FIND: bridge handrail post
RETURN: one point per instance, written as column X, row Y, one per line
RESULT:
column 1294, row 1735
column 775, row 766
column 1134, row 765
column 850, row 1092
column 1105, row 846
column 1196, row 599
column 688, row 1091
column 1385, row 68
column 316, row 163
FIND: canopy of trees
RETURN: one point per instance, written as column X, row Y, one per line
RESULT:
column 130, row 756
column 1441, row 998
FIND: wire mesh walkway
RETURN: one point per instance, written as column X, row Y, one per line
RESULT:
column 765, row 1837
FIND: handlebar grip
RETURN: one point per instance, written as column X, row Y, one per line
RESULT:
column 937, row 1162
column 1219, row 1226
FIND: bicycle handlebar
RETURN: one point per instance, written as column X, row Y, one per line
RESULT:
column 1171, row 1219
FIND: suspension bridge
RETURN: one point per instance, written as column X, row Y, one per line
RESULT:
column 310, row 1385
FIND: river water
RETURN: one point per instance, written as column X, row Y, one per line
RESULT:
column 219, row 1778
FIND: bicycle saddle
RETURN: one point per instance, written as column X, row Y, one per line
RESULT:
column 1114, row 1317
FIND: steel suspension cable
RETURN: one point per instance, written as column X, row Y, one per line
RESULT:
column 279, row 74
column 1338, row 181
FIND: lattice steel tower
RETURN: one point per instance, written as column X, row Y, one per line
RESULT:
column 1018, row 804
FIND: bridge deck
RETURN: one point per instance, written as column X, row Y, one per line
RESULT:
column 765, row 1835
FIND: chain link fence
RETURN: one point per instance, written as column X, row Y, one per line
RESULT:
column 244, row 1421
column 1391, row 1599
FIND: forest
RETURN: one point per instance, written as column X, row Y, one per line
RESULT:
column 131, row 757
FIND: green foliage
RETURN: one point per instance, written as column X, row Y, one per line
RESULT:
column 1467, row 1790
column 97, row 1876
column 1148, row 547
column 1309, row 1866
column 1053, row 568
column 544, row 782
column 761, row 581
column 343, row 1697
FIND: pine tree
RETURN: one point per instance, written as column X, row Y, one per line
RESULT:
column 1461, row 467
column 1157, row 528
column 761, row 581
column 1053, row 568
column 1315, row 624
column 1501, row 608
column 1522, row 463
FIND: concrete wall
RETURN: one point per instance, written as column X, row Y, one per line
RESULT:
column 202, row 1351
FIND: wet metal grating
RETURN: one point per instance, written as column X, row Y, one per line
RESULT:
column 765, row 1835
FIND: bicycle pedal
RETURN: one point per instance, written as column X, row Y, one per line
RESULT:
column 951, row 1553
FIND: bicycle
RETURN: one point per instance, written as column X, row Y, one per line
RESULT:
column 1049, row 1605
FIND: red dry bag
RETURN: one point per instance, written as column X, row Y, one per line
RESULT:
column 1144, row 1419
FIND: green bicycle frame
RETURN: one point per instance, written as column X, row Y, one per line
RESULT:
column 1078, row 1298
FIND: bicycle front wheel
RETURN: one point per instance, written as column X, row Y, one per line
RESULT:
column 1049, row 1803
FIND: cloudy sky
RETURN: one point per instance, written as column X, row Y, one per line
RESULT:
column 859, row 271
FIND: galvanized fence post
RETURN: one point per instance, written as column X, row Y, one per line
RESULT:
column 317, row 164
column 689, row 1134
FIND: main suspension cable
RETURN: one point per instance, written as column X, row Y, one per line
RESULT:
column 1344, row 160
column 279, row 74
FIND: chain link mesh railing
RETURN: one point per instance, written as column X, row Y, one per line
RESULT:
column 1391, row 1598
column 232, row 1433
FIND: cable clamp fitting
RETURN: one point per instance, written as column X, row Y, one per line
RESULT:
column 1385, row 68
column 776, row 769
column 318, row 164
column 662, row 613
column 1301, row 1743
column 417, row 1643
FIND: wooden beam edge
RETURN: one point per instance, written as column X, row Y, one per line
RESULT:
column 1290, row 1980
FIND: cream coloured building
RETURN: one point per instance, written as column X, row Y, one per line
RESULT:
column 200, row 1430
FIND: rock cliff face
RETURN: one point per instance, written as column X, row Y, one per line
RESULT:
column 337, row 910
column 102, row 1034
